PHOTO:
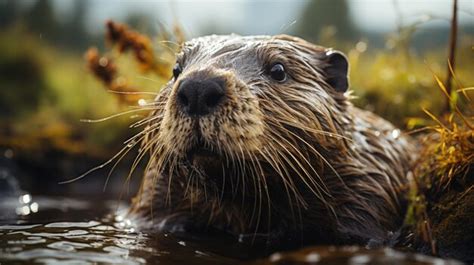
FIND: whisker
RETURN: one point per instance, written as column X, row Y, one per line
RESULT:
column 115, row 115
column 318, row 154
column 95, row 168
column 317, row 188
column 132, row 92
column 130, row 147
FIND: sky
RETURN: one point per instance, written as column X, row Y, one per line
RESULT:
column 270, row 17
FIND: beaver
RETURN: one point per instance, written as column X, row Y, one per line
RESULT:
column 256, row 135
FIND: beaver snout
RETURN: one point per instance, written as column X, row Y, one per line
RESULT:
column 198, row 96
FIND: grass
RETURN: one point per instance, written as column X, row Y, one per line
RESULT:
column 398, row 84
column 68, row 95
column 441, row 197
column 395, row 83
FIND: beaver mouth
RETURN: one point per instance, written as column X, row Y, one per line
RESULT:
column 200, row 156
column 199, row 149
column 200, row 152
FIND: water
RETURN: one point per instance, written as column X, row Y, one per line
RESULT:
column 63, row 230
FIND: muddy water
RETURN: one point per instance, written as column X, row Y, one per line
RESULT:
column 59, row 230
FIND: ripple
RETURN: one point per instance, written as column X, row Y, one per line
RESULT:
column 73, row 224
column 68, row 246
column 70, row 234
column 17, row 227
column 63, row 243
column 38, row 254
column 26, row 241
column 113, row 242
column 117, row 250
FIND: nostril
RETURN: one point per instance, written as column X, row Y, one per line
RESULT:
column 213, row 99
column 183, row 99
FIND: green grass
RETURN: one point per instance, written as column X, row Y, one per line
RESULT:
column 68, row 94
column 399, row 85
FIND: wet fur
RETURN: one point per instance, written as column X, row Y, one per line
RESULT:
column 298, row 160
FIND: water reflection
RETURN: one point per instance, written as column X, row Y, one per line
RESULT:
column 26, row 205
column 94, row 242
column 91, row 242
column 67, row 231
column 351, row 255
column 24, row 199
column 62, row 239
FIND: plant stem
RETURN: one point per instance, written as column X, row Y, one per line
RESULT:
column 452, row 53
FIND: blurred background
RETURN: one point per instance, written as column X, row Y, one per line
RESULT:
column 394, row 46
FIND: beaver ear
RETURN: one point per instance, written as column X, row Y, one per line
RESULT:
column 336, row 70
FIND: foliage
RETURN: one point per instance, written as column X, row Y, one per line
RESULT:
column 22, row 79
column 398, row 84
column 126, row 40
column 444, row 175
column 56, row 95
column 46, row 98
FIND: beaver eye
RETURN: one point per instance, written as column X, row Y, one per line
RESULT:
column 177, row 70
column 277, row 72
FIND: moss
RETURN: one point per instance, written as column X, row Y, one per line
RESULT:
column 452, row 225
column 441, row 209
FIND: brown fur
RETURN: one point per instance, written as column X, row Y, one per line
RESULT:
column 293, row 159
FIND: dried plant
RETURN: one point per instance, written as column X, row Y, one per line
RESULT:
column 124, row 40
column 444, row 171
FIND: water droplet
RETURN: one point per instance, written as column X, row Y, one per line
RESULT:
column 200, row 253
column 141, row 102
column 360, row 259
column 24, row 210
column 26, row 198
column 275, row 257
column 8, row 153
column 361, row 46
column 313, row 257
column 34, row 207
column 395, row 133
column 119, row 218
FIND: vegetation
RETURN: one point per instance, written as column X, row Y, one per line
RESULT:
column 49, row 89
column 441, row 197
column 441, row 187
column 53, row 96
column 49, row 94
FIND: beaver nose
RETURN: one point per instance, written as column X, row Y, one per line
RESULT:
column 197, row 97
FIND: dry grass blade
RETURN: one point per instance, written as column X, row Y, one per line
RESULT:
column 443, row 174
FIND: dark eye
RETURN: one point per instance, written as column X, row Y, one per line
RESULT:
column 177, row 70
column 277, row 72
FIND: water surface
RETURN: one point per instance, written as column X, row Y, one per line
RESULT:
column 62, row 230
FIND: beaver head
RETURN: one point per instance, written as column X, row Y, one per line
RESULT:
column 257, row 133
column 245, row 99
